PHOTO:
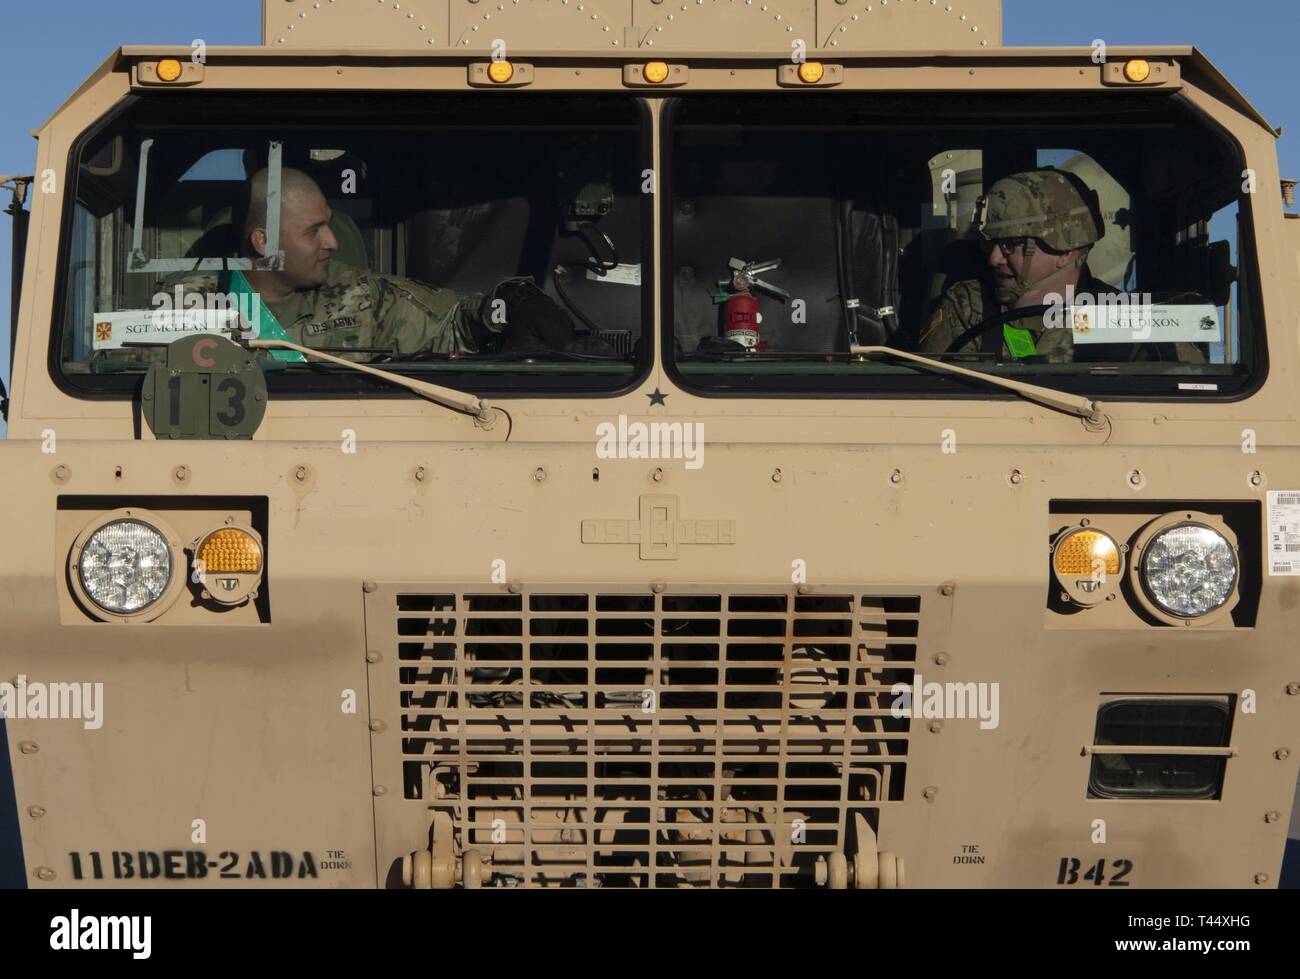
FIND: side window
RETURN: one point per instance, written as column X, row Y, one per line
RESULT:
column 1224, row 241
column 83, row 287
column 1113, row 260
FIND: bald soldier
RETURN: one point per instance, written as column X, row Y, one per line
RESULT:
column 314, row 301
column 1037, row 229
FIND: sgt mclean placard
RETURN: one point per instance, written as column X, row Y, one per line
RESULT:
column 162, row 326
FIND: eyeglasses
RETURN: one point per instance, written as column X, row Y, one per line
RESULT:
column 1007, row 246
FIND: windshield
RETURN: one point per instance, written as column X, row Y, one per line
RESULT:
column 492, row 243
column 1090, row 243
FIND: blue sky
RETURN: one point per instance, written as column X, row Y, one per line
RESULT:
column 48, row 48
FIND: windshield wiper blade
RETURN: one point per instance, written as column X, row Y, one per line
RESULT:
column 485, row 415
column 1071, row 404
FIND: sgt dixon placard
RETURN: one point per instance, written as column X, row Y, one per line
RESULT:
column 1144, row 323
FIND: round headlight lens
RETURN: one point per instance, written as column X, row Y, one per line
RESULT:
column 1189, row 570
column 125, row 566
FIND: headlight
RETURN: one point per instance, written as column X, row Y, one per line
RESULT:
column 1188, row 569
column 125, row 565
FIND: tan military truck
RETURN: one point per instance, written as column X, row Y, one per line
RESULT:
column 736, row 583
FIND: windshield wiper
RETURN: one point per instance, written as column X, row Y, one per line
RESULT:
column 485, row 415
column 1071, row 404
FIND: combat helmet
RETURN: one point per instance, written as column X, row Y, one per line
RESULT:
column 1048, row 206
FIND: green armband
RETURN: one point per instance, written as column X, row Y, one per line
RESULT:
column 1019, row 342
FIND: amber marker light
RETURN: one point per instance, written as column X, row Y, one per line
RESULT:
column 656, row 72
column 1084, row 551
column 1088, row 565
column 169, row 70
column 230, row 551
column 501, row 71
column 228, row 563
column 1137, row 70
column 812, row 72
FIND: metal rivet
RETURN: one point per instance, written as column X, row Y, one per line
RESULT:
column 1261, row 878
column 44, row 873
column 36, row 812
column 514, row 587
column 1282, row 754
column 1272, row 816
column 380, row 790
column 28, row 747
column 657, row 475
column 61, row 473
column 376, row 725
column 896, row 476
column 1016, row 477
column 1293, row 689
column 804, row 589
column 369, row 587
column 658, row 587
column 182, row 473
column 941, row 659
column 936, row 727
column 372, row 657
column 930, row 791
column 947, row 589
column 1135, row 478
column 776, row 475
column 300, row 474
column 1256, row 478
column 419, row 474
column 540, row 474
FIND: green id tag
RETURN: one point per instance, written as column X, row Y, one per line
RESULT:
column 1019, row 342
column 269, row 327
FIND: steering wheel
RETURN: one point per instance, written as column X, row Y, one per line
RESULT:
column 979, row 329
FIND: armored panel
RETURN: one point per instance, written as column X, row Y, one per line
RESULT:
column 715, row 26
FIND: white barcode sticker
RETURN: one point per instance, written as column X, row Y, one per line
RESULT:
column 1284, row 532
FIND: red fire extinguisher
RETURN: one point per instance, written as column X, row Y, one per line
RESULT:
column 741, row 319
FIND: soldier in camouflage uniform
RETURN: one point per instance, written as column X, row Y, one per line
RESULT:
column 355, row 309
column 1037, row 228
column 313, row 301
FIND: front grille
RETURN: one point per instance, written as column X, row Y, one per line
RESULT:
column 699, row 737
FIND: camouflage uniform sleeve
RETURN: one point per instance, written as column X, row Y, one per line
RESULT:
column 960, row 308
column 1056, row 343
column 415, row 318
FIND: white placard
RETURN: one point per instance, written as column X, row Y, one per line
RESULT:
column 1144, row 323
column 160, row 326
column 1284, row 532
column 626, row 275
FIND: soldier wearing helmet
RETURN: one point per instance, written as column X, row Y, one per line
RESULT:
column 1037, row 228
